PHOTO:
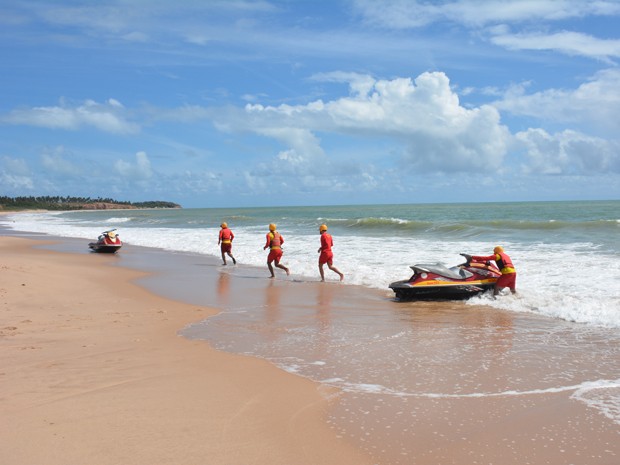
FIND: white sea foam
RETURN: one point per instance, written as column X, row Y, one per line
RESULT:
column 582, row 391
column 575, row 282
column 602, row 396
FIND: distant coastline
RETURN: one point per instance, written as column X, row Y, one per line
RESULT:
column 58, row 203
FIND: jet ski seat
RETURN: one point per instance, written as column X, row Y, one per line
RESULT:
column 440, row 269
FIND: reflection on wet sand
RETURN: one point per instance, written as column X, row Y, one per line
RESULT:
column 434, row 382
column 223, row 289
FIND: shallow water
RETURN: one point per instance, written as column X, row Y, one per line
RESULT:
column 449, row 368
column 567, row 253
column 413, row 375
column 482, row 381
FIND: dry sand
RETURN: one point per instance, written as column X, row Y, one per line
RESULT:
column 93, row 372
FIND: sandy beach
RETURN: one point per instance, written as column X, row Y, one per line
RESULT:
column 108, row 360
column 93, row 372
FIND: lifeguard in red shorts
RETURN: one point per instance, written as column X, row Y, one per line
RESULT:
column 226, row 238
column 274, row 244
column 327, row 255
column 504, row 263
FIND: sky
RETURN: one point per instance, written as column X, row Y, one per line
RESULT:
column 239, row 103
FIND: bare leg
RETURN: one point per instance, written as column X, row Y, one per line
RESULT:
column 233, row 258
column 224, row 258
column 496, row 290
column 335, row 270
column 282, row 267
column 271, row 269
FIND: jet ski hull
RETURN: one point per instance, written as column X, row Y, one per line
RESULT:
column 108, row 242
column 103, row 248
column 437, row 282
column 404, row 291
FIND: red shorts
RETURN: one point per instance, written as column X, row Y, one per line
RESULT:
column 507, row 280
column 326, row 257
column 274, row 256
column 227, row 248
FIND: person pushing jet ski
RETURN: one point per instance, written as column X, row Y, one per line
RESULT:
column 504, row 263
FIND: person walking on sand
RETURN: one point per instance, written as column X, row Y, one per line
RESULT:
column 225, row 239
column 327, row 255
column 274, row 244
column 504, row 263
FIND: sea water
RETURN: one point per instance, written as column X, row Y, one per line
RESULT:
column 566, row 253
column 402, row 365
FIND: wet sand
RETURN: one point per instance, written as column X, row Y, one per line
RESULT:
column 408, row 383
column 93, row 372
column 420, row 382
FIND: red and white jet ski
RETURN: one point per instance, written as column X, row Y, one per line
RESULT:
column 108, row 242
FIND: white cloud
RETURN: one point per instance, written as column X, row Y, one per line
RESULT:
column 15, row 165
column 107, row 117
column 135, row 21
column 568, row 152
column 140, row 170
column 16, row 182
column 493, row 16
column 359, row 84
column 424, row 116
column 596, row 103
column 570, row 43
column 54, row 161
column 405, row 14
column 15, row 174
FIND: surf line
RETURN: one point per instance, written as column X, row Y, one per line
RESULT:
column 379, row 389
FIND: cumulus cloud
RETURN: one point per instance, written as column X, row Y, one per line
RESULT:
column 595, row 103
column 424, row 116
column 107, row 117
column 568, row 153
column 140, row 170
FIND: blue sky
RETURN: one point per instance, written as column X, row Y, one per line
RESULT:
column 258, row 103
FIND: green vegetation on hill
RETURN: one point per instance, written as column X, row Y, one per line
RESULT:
column 75, row 203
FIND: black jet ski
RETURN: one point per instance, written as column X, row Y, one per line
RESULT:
column 438, row 282
column 108, row 242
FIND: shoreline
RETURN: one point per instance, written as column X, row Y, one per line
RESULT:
column 483, row 386
column 94, row 371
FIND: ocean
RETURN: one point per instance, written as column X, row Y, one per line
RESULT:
column 567, row 254
column 406, row 378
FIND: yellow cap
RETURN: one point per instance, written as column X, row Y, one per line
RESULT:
column 323, row 227
column 224, row 225
column 498, row 249
column 272, row 227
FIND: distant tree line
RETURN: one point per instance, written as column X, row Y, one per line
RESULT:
column 74, row 203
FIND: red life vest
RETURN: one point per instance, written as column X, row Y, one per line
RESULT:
column 226, row 236
column 504, row 263
column 276, row 240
